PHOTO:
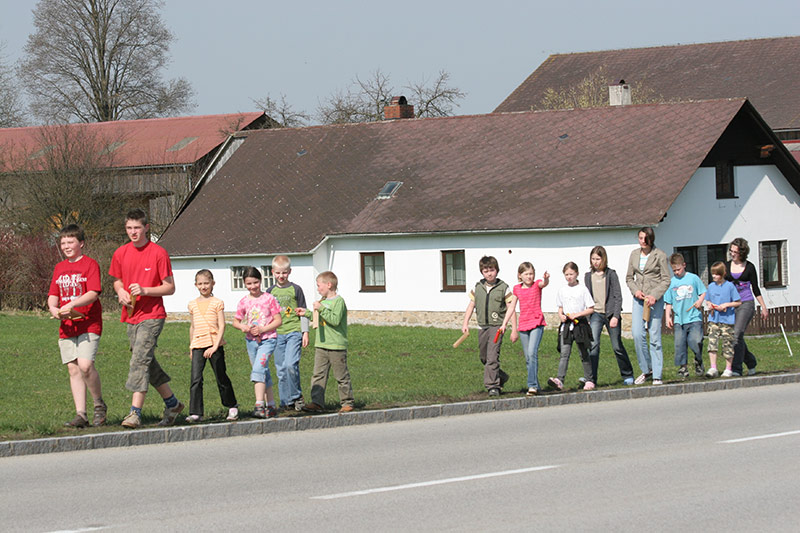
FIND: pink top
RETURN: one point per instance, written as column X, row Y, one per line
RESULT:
column 530, row 306
column 259, row 311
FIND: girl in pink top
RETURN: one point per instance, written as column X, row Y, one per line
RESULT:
column 258, row 315
column 531, row 320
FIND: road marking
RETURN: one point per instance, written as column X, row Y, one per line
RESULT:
column 81, row 530
column 759, row 437
column 431, row 483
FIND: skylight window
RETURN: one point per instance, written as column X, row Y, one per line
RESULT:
column 183, row 143
column 389, row 189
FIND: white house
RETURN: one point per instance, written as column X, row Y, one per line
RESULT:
column 402, row 211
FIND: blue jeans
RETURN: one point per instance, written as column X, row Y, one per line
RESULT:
column 650, row 355
column 688, row 336
column 259, row 352
column 530, row 349
column 287, row 365
column 597, row 321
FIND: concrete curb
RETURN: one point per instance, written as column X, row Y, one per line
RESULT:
column 301, row 423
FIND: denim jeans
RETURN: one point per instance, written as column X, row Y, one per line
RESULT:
column 287, row 365
column 688, row 336
column 259, row 352
column 530, row 349
column 744, row 313
column 649, row 355
column 597, row 321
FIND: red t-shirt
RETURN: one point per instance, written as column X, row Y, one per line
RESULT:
column 71, row 281
column 148, row 266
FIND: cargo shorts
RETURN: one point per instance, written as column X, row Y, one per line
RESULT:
column 720, row 339
column 144, row 368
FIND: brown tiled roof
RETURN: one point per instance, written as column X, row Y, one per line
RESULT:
column 285, row 190
column 766, row 71
column 136, row 143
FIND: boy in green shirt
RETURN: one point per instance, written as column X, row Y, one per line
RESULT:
column 330, row 320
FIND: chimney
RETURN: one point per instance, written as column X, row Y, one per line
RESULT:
column 398, row 108
column 619, row 93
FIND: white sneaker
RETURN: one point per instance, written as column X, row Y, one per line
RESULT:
column 233, row 414
column 712, row 373
column 727, row 373
column 657, row 382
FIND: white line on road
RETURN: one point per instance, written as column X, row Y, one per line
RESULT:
column 759, row 437
column 431, row 483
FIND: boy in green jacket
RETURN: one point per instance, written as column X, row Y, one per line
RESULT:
column 330, row 346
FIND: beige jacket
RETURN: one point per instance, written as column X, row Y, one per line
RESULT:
column 654, row 279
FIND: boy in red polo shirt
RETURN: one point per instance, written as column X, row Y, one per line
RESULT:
column 142, row 275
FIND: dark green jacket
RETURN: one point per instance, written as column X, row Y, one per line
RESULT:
column 490, row 306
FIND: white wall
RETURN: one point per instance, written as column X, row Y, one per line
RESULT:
column 767, row 209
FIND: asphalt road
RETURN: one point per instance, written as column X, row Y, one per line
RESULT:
column 660, row 464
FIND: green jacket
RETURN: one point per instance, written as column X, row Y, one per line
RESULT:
column 332, row 330
column 490, row 306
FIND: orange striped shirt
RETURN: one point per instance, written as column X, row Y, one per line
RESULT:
column 204, row 314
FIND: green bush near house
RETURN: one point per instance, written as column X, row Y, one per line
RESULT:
column 389, row 366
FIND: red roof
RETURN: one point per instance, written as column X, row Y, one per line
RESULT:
column 133, row 143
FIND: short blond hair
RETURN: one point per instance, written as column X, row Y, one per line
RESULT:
column 329, row 277
column 281, row 261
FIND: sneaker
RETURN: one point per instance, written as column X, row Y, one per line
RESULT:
column 683, row 371
column 170, row 414
column 193, row 419
column 272, row 412
column 346, row 408
column 299, row 404
column 727, row 373
column 712, row 373
column 642, row 378
column 233, row 414
column 627, row 381
column 100, row 412
column 736, row 374
column 657, row 382
column 313, row 408
column 581, row 383
column 555, row 383
column 531, row 392
column 751, row 371
column 503, row 378
column 699, row 369
column 494, row 393
column 588, row 386
column 260, row 411
column 132, row 421
column 77, row 422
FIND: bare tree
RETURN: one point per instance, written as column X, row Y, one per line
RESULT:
column 434, row 98
column 364, row 99
column 592, row 91
column 66, row 179
column 100, row 60
column 281, row 114
column 11, row 110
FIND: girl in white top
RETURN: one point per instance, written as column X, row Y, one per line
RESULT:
column 575, row 304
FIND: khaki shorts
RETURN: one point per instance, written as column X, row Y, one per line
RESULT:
column 720, row 339
column 144, row 367
column 81, row 347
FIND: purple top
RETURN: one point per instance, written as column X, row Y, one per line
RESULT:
column 744, row 287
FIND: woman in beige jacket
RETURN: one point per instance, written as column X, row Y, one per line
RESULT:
column 648, row 279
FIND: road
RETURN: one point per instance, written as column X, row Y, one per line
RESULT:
column 720, row 461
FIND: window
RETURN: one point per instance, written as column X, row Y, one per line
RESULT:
column 773, row 263
column 454, row 272
column 268, row 280
column 716, row 252
column 373, row 273
column 689, row 254
column 237, row 278
column 725, row 187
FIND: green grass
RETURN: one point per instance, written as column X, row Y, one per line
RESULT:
column 389, row 366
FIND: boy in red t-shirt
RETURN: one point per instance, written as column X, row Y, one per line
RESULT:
column 142, row 275
column 72, row 299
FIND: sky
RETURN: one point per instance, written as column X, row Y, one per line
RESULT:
column 235, row 52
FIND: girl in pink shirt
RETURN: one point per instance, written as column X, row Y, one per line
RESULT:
column 531, row 320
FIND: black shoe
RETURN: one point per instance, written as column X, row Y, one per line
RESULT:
column 493, row 393
column 699, row 369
